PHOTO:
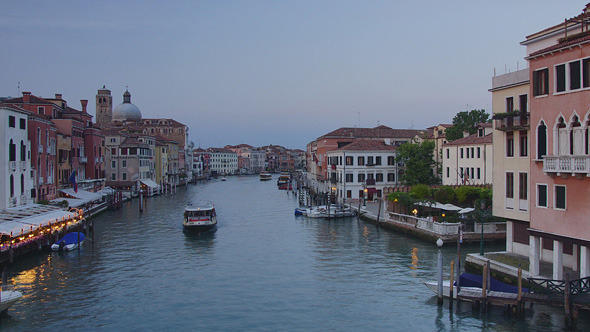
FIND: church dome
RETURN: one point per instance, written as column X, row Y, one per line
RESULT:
column 126, row 111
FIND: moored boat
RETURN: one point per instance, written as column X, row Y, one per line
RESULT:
column 472, row 282
column 284, row 179
column 265, row 176
column 200, row 217
column 8, row 298
column 70, row 241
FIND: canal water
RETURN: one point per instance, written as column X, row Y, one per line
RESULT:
column 263, row 269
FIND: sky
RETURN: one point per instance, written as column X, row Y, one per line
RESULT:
column 272, row 72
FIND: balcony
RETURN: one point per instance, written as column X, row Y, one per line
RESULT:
column 50, row 179
column 12, row 165
column 40, row 149
column 83, row 159
column 40, row 181
column 508, row 122
column 567, row 164
column 23, row 165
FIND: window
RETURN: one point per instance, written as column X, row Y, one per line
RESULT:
column 12, row 151
column 113, row 176
column 349, row 177
column 361, row 178
column 541, row 140
column 472, row 152
column 448, row 172
column 467, row 153
column 509, row 104
column 478, row 173
column 560, row 197
column 448, row 153
column 472, row 172
column 124, row 176
column 41, row 110
column 524, row 144
column 390, row 160
column 542, row 195
column 575, row 77
column 478, row 152
column 124, row 163
column 379, row 177
column 378, row 160
column 523, row 101
column 523, row 186
column 510, row 144
column 11, row 121
column 113, row 164
column 361, row 161
column 560, row 78
column 349, row 161
column 586, row 73
column 370, row 176
column 461, row 153
column 509, row 185
column 370, row 161
column 390, row 177
column 541, row 82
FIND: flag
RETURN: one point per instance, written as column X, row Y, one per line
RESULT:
column 73, row 181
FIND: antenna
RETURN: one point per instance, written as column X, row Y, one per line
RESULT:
column 412, row 123
column 18, row 89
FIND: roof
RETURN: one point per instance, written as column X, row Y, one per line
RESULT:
column 377, row 132
column 32, row 100
column 133, row 143
column 583, row 38
column 472, row 140
column 169, row 123
column 367, row 145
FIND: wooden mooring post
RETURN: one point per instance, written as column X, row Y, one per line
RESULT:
column 484, row 288
column 451, row 287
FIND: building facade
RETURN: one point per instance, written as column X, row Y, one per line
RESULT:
column 469, row 160
column 511, row 170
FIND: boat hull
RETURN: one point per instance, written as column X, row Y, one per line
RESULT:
column 199, row 228
column 67, row 247
column 8, row 298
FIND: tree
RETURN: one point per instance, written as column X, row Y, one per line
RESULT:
column 420, row 164
column 466, row 121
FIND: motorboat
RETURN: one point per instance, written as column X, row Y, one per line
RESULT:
column 265, row 176
column 8, row 298
column 284, row 179
column 200, row 217
column 472, row 282
column 334, row 211
column 70, row 241
column 223, row 178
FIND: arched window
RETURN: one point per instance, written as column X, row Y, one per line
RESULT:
column 22, row 184
column 38, row 136
column 12, row 151
column 541, row 140
column 576, row 137
column 23, row 151
column 11, row 185
column 561, row 139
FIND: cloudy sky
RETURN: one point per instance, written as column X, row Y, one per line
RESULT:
column 272, row 72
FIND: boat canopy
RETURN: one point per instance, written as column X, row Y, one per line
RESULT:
column 72, row 238
column 149, row 183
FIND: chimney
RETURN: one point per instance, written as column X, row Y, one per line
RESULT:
column 84, row 102
column 58, row 96
column 26, row 97
column 465, row 133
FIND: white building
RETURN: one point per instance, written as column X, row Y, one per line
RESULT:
column 257, row 160
column 223, row 161
column 15, row 154
column 350, row 166
column 469, row 160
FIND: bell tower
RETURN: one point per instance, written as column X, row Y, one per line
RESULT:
column 104, row 107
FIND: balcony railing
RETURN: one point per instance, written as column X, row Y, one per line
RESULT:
column 40, row 180
column 83, row 159
column 510, row 123
column 40, row 149
column 567, row 164
column 50, row 179
column 12, row 166
column 23, row 165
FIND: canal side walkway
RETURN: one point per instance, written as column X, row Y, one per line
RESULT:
column 423, row 227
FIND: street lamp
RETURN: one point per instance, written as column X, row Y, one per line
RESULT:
column 439, row 243
column 415, row 212
column 443, row 217
column 364, row 197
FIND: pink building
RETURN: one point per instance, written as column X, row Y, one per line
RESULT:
column 559, row 61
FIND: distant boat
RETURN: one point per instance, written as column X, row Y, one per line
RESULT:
column 284, row 179
column 199, row 217
column 265, row 176
column 70, row 241
column 223, row 178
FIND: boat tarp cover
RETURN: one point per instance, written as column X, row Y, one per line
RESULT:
column 473, row 280
column 71, row 238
